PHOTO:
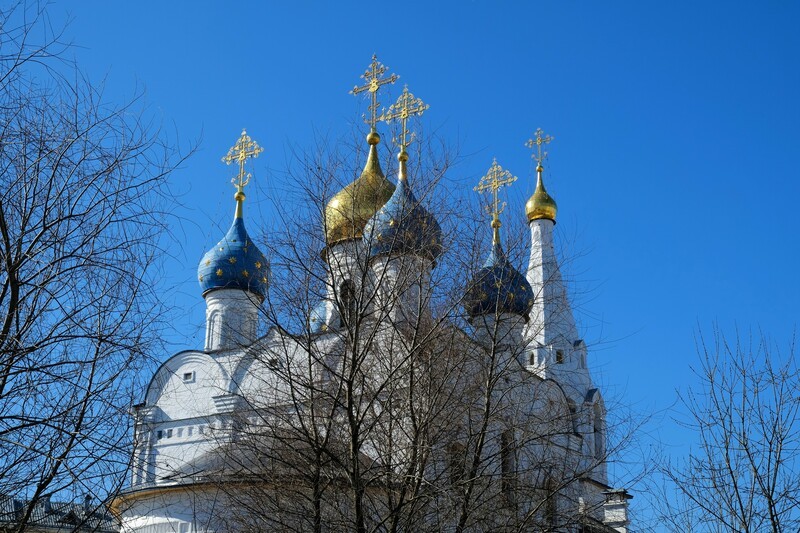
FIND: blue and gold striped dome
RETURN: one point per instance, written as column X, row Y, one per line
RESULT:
column 234, row 263
column 498, row 287
column 402, row 225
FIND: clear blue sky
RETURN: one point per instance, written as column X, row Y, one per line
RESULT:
column 674, row 164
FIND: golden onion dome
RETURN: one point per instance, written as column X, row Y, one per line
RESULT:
column 349, row 210
column 541, row 204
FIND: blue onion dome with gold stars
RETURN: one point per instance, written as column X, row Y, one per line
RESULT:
column 235, row 262
column 498, row 287
column 402, row 225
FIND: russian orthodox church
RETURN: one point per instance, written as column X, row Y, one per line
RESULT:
column 386, row 409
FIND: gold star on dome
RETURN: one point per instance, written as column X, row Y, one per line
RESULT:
column 219, row 272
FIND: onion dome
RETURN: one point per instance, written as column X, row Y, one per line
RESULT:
column 402, row 225
column 235, row 262
column 317, row 318
column 498, row 287
column 350, row 209
column 541, row 204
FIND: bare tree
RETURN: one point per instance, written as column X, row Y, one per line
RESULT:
column 743, row 471
column 340, row 429
column 390, row 416
column 82, row 212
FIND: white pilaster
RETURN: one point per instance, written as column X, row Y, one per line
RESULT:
column 402, row 286
column 345, row 273
column 503, row 331
column 231, row 319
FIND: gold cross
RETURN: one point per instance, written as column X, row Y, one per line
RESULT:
column 540, row 139
column 406, row 106
column 374, row 82
column 244, row 149
column 493, row 181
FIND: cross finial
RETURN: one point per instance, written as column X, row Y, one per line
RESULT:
column 536, row 144
column 244, row 149
column 374, row 82
column 496, row 178
column 405, row 107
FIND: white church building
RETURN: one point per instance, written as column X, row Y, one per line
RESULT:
column 397, row 401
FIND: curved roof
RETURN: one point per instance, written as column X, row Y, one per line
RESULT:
column 234, row 263
column 402, row 225
column 498, row 287
column 350, row 209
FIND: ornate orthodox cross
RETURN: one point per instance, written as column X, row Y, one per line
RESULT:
column 244, row 149
column 496, row 178
column 405, row 107
column 374, row 82
column 536, row 144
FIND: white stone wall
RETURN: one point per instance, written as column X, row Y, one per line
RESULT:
column 231, row 319
column 190, row 404
column 185, row 510
column 402, row 287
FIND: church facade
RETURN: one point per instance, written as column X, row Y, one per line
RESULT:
column 367, row 392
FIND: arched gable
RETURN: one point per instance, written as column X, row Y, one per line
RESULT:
column 185, row 384
column 548, row 412
column 261, row 375
column 554, row 391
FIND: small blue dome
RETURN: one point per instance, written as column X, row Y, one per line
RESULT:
column 234, row 263
column 317, row 318
column 498, row 287
column 403, row 226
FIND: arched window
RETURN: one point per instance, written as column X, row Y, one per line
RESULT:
column 573, row 416
column 550, row 503
column 347, row 303
column 599, row 437
column 508, row 464
column 456, row 462
column 212, row 329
